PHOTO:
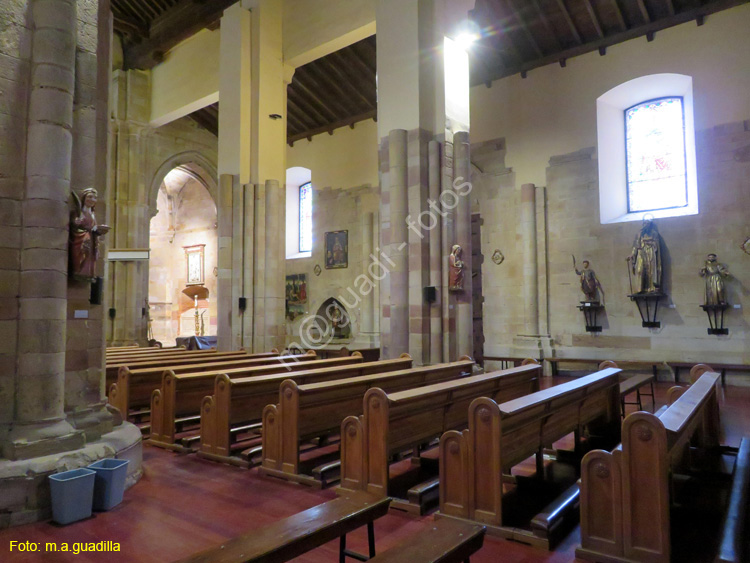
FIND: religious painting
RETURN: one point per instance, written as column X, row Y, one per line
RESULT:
column 337, row 250
column 194, row 258
column 296, row 296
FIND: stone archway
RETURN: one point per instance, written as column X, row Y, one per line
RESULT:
column 193, row 162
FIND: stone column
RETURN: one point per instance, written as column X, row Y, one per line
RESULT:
column 462, row 176
column 436, row 320
column 39, row 425
column 275, row 329
column 530, row 270
column 398, row 249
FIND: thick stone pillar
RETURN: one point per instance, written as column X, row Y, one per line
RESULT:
column 530, row 269
column 398, row 247
column 275, row 329
column 39, row 425
column 462, row 178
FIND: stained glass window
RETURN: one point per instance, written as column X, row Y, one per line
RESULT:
column 655, row 155
column 305, row 217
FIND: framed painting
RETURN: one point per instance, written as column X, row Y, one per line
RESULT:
column 195, row 264
column 337, row 250
column 296, row 296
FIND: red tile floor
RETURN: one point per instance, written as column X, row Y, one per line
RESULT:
column 184, row 504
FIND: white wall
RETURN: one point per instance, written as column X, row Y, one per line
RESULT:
column 553, row 110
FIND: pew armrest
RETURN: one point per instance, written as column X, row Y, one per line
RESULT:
column 732, row 548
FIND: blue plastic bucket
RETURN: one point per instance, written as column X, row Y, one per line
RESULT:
column 110, row 482
column 72, row 493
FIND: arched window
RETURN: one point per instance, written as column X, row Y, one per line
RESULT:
column 305, row 217
column 646, row 149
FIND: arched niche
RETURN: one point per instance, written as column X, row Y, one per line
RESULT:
column 335, row 322
column 192, row 162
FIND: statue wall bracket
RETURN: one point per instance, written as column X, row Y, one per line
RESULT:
column 590, row 312
column 715, row 315
column 648, row 306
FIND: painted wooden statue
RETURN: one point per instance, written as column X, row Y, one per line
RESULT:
column 84, row 236
column 714, row 274
column 590, row 285
column 456, row 269
column 645, row 259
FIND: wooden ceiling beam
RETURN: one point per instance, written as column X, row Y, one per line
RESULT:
column 301, row 106
column 618, row 13
column 347, row 78
column 130, row 26
column 594, row 18
column 632, row 33
column 569, row 20
column 545, row 22
column 134, row 9
column 521, row 22
column 500, row 22
column 335, row 98
column 670, row 7
column 183, row 20
column 309, row 88
column 330, row 127
column 644, row 11
column 365, row 76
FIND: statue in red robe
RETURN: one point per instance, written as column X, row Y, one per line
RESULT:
column 84, row 236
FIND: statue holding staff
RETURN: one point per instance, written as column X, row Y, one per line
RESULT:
column 714, row 275
column 645, row 260
column 590, row 285
column 456, row 269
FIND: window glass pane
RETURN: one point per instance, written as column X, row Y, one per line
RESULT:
column 305, row 218
column 655, row 155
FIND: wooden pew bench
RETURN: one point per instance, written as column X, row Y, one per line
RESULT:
column 132, row 391
column 500, row 436
column 508, row 362
column 445, row 541
column 734, row 547
column 625, row 494
column 397, row 422
column 113, row 367
column 241, row 402
column 721, row 368
column 554, row 364
column 181, row 396
column 291, row 537
column 317, row 409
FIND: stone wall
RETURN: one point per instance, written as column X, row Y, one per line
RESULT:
column 567, row 221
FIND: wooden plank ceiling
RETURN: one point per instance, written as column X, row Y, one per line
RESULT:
column 520, row 35
column 338, row 90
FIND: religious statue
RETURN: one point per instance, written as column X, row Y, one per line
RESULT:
column 590, row 285
column 84, row 236
column 456, row 269
column 645, row 260
column 714, row 274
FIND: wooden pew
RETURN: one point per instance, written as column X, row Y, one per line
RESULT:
column 630, row 384
column 395, row 422
column 308, row 411
column 625, row 495
column 133, row 388
column 720, row 367
column 623, row 364
column 291, row 537
column 180, row 395
column 444, row 541
column 500, row 436
column 147, row 352
column 113, row 367
column 243, row 401
column 733, row 547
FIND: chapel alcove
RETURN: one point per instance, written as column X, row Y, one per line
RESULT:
column 334, row 322
column 183, row 242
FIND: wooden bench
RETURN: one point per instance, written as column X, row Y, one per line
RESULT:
column 133, row 388
column 179, row 399
column 239, row 402
column 721, row 368
column 630, row 384
column 291, row 537
column 593, row 362
column 500, row 436
column 309, row 411
column 733, row 547
column 625, row 494
column 145, row 352
column 509, row 362
column 444, row 541
column 113, row 367
column 395, row 422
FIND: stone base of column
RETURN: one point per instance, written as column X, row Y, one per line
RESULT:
column 24, row 485
column 94, row 421
column 26, row 441
column 366, row 340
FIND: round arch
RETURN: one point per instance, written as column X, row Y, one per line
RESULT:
column 192, row 162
